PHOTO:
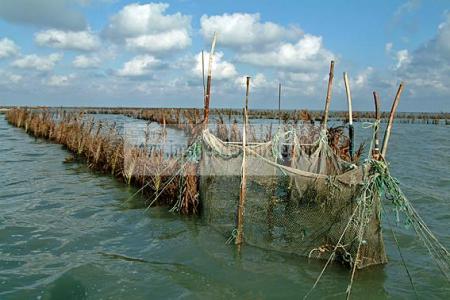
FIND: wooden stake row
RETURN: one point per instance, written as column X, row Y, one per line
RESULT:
column 376, row 150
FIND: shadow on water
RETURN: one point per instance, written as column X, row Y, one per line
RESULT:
column 68, row 288
column 134, row 259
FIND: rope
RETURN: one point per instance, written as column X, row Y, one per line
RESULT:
column 376, row 181
column 232, row 237
column 360, row 237
column 375, row 125
column 148, row 182
column 332, row 254
column 194, row 146
column 401, row 254
column 385, row 182
column 166, row 185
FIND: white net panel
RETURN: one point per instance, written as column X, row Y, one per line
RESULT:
column 307, row 202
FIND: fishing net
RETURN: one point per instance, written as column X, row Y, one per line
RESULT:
column 300, row 197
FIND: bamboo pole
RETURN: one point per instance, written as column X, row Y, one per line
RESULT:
column 208, row 82
column 387, row 133
column 279, row 103
column 376, row 147
column 243, row 192
column 351, row 130
column 328, row 99
column 246, row 98
column 203, row 74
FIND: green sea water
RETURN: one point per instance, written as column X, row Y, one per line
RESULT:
column 68, row 233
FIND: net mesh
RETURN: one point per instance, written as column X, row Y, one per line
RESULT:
column 300, row 197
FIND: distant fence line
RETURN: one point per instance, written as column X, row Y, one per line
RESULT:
column 154, row 114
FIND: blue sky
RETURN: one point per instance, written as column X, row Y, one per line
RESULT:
column 128, row 53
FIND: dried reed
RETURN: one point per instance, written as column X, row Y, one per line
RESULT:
column 105, row 150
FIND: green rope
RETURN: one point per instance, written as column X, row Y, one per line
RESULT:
column 389, row 186
column 232, row 237
column 401, row 254
column 378, row 181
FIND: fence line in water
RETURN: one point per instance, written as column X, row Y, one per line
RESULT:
column 104, row 149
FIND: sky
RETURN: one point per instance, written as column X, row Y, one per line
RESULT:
column 148, row 54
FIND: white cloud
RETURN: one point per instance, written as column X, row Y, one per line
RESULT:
column 136, row 19
column 8, row 48
column 39, row 63
column 361, row 78
column 86, row 62
column 70, row 40
column 302, row 77
column 303, row 83
column 146, row 27
column 176, row 39
column 46, row 13
column 9, row 78
column 426, row 70
column 402, row 58
column 241, row 30
column 405, row 18
column 138, row 66
column 308, row 54
column 406, row 8
column 300, row 59
column 443, row 36
column 257, row 81
column 221, row 69
column 388, row 47
column 58, row 80
column 14, row 78
column 95, row 60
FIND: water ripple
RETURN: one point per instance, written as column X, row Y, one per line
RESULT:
column 65, row 233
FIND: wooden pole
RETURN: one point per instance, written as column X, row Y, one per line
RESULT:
column 203, row 74
column 243, row 192
column 376, row 147
column 387, row 133
column 351, row 130
column 279, row 103
column 246, row 97
column 208, row 82
column 328, row 99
